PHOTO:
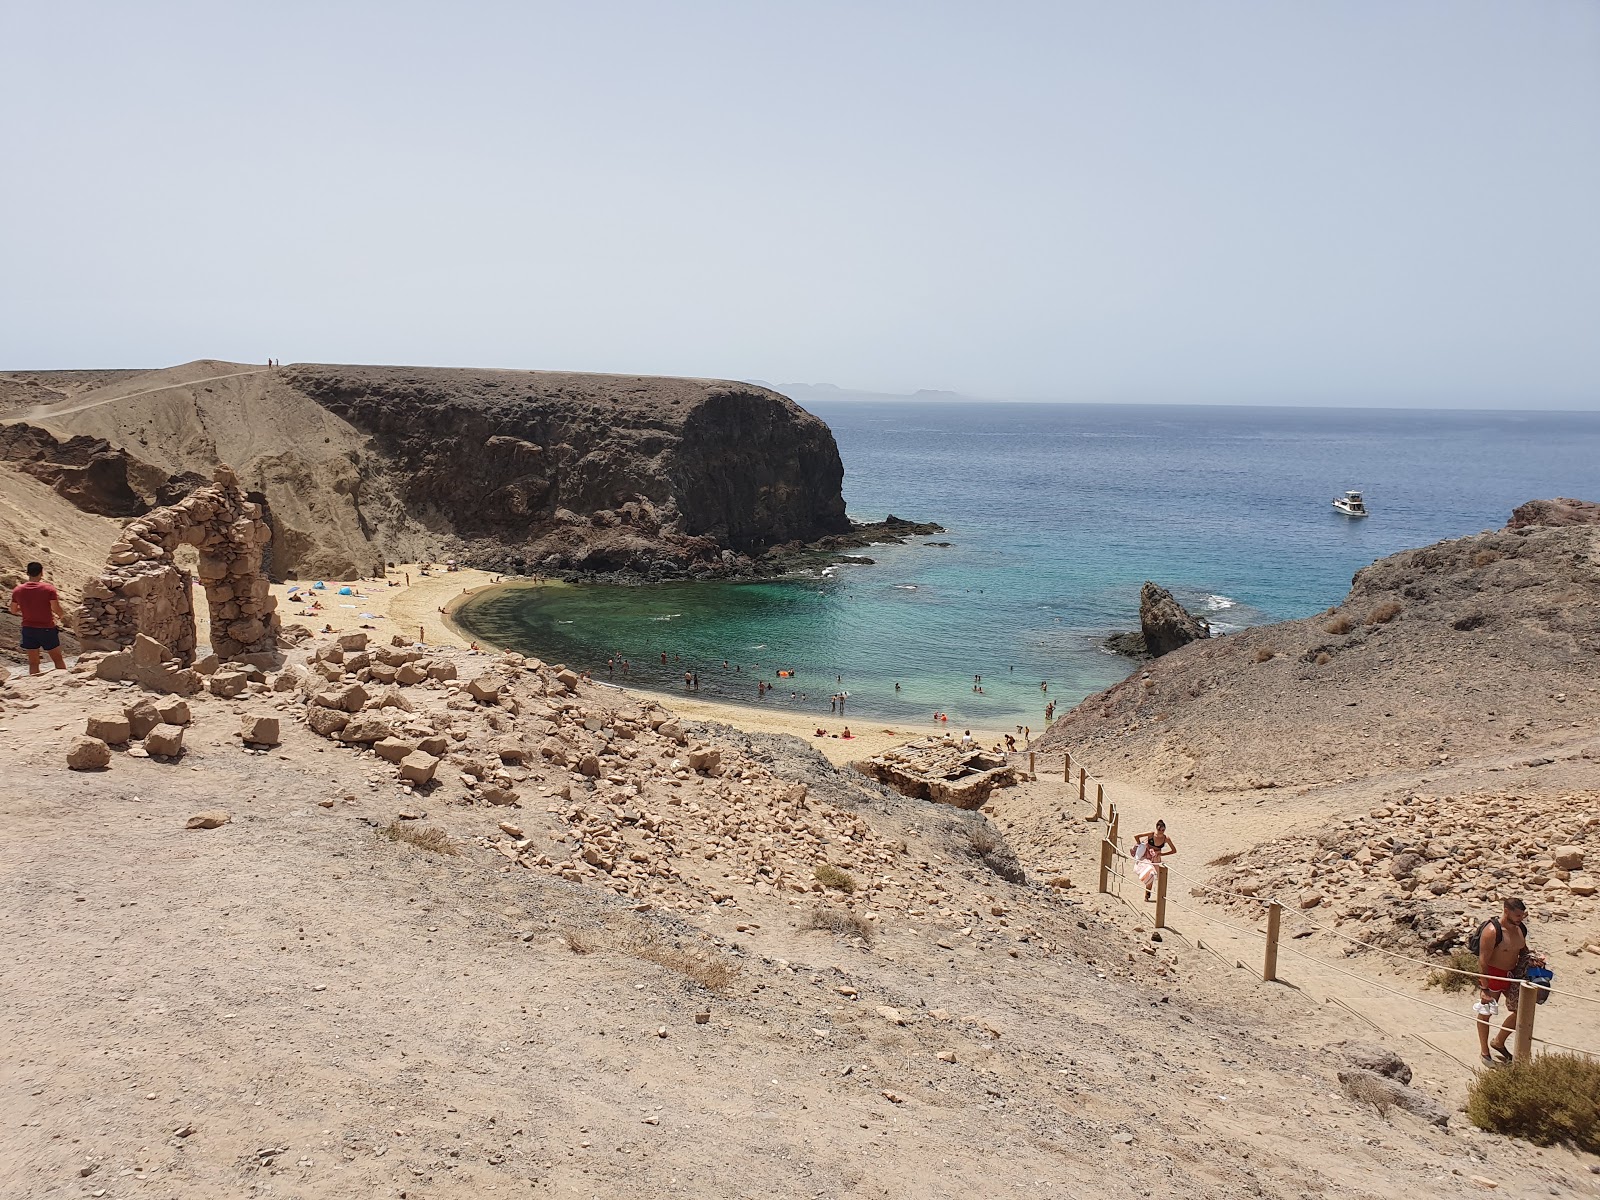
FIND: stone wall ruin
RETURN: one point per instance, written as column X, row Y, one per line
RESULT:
column 144, row 591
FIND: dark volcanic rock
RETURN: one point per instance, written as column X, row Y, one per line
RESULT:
column 1165, row 623
column 1130, row 644
column 596, row 472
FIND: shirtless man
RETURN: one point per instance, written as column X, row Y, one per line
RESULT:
column 1500, row 944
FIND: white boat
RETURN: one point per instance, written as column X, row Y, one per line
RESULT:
column 1351, row 504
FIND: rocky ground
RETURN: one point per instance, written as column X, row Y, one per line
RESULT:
column 492, row 931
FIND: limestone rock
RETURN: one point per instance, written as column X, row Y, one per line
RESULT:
column 367, row 727
column 353, row 642
column 443, row 671
column 589, row 765
column 394, row 749
column 143, row 716
column 110, row 727
column 212, row 818
column 705, row 760
column 409, row 674
column 165, row 740
column 326, row 721
column 1568, row 858
column 227, row 684
column 174, row 711
column 486, row 688
column 288, row 680
column 942, row 770
column 88, row 754
column 258, row 731
column 418, row 767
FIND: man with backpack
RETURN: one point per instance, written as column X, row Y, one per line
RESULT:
column 1499, row 943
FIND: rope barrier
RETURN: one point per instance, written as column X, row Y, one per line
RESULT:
column 1119, row 873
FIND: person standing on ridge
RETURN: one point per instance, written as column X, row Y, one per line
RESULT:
column 1502, row 941
column 39, row 605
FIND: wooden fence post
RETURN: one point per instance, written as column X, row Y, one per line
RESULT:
column 1106, row 851
column 1116, row 824
column 1527, row 1002
column 1269, row 969
column 1066, row 769
column 1030, row 762
column 1161, row 896
column 1083, row 782
column 1099, row 802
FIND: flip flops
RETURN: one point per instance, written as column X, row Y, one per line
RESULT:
column 1501, row 1053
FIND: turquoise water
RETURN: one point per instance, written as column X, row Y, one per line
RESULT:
column 1056, row 515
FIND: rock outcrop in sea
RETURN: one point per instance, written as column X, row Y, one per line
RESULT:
column 1164, row 626
column 1472, row 645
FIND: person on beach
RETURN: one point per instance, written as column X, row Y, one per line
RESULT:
column 833, row 703
column 1050, row 711
column 1011, row 744
column 688, row 682
column 39, row 605
column 1502, row 942
column 1148, row 851
column 847, row 735
column 663, row 658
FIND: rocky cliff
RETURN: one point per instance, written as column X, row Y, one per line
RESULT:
column 602, row 472
column 1484, row 646
column 514, row 470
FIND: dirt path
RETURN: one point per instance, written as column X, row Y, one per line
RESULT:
column 45, row 413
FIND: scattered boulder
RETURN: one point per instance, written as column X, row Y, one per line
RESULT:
column 258, row 731
column 174, row 711
column 166, row 740
column 110, row 727
column 442, row 671
column 143, row 716
column 1406, row 1099
column 394, row 749
column 1568, row 858
column 418, row 767
column 288, row 680
column 486, row 688
column 1365, row 1056
column 227, row 684
column 707, row 760
column 326, row 721
column 88, row 754
column 212, row 818
column 352, row 643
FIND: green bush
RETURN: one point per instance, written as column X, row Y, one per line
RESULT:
column 1552, row 1098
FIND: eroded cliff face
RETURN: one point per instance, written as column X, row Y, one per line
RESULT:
column 602, row 472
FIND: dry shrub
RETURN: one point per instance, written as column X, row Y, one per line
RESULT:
column 706, row 967
column 1549, row 1099
column 830, row 919
column 423, row 837
column 1265, row 655
column 1484, row 557
column 1340, row 624
column 1384, row 613
column 830, row 876
column 1324, row 659
column 1366, row 1089
column 992, row 849
column 581, row 941
column 1451, row 980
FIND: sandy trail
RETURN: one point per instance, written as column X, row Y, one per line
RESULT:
column 45, row 413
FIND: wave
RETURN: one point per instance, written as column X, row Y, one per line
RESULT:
column 905, row 587
column 668, row 617
column 1215, row 603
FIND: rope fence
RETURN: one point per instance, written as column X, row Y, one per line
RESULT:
column 1113, row 871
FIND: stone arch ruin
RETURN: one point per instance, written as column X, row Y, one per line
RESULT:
column 144, row 591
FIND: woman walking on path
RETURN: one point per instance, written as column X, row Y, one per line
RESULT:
column 1148, row 851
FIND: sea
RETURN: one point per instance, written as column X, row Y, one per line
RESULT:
column 1056, row 514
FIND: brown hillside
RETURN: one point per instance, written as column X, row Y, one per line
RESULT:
column 1484, row 645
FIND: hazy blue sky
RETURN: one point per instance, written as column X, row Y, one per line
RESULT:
column 1380, row 201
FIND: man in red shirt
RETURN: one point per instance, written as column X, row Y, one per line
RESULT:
column 39, row 606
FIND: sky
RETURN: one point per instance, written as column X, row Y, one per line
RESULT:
column 1379, row 202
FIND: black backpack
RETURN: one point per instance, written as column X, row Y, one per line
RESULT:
column 1475, row 941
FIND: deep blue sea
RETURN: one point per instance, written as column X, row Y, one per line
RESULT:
column 1057, row 514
